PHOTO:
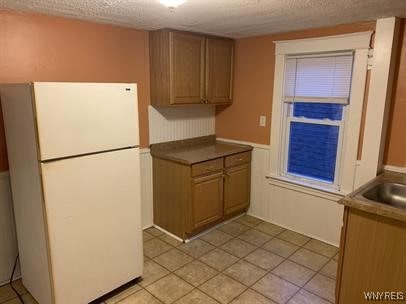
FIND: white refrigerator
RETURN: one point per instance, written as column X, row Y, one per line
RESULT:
column 75, row 176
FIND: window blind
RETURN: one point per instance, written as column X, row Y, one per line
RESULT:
column 319, row 78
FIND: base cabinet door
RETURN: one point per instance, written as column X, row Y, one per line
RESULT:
column 372, row 262
column 207, row 199
column 237, row 188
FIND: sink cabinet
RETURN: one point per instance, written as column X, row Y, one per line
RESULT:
column 191, row 198
column 372, row 256
column 189, row 68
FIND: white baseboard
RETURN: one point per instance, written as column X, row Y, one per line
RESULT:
column 15, row 278
column 289, row 228
column 4, row 174
column 395, row 169
column 144, row 150
column 168, row 233
column 201, row 233
column 8, row 239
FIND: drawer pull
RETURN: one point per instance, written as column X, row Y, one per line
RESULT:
column 238, row 159
column 207, row 167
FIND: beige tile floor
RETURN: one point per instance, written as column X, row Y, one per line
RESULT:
column 246, row 261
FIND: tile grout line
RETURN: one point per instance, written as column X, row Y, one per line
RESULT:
column 193, row 259
column 318, row 272
column 311, row 278
column 234, row 237
column 287, row 259
column 239, row 259
column 237, row 237
column 222, row 272
column 243, row 259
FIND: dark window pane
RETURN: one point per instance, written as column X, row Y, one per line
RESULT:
column 313, row 150
column 313, row 110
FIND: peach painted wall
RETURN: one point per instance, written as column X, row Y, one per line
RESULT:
column 253, row 90
column 396, row 139
column 35, row 47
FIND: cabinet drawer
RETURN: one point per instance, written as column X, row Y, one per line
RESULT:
column 207, row 167
column 238, row 159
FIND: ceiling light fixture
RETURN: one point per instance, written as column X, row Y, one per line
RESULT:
column 172, row 3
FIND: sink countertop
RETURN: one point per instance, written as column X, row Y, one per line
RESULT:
column 356, row 200
column 195, row 150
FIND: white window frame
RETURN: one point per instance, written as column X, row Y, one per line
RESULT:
column 287, row 119
column 359, row 44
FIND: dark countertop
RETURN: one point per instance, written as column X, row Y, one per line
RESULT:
column 195, row 150
column 356, row 200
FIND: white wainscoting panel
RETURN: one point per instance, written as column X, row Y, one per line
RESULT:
column 316, row 216
column 259, row 183
column 146, row 189
column 175, row 123
column 8, row 239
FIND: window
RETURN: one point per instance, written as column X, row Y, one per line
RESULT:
column 316, row 96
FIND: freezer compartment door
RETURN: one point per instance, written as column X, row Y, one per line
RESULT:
column 81, row 118
column 94, row 223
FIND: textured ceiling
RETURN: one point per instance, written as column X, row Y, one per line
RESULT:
column 233, row 18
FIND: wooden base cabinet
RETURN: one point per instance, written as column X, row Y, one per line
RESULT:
column 191, row 198
column 236, row 193
column 372, row 258
column 207, row 200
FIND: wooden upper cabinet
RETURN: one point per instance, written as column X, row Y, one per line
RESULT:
column 219, row 70
column 188, row 68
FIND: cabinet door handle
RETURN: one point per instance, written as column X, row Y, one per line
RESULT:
column 240, row 159
column 210, row 168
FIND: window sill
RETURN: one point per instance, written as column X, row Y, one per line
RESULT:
column 307, row 188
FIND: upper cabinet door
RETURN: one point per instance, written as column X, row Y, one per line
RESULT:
column 219, row 70
column 186, row 54
column 188, row 68
column 82, row 118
